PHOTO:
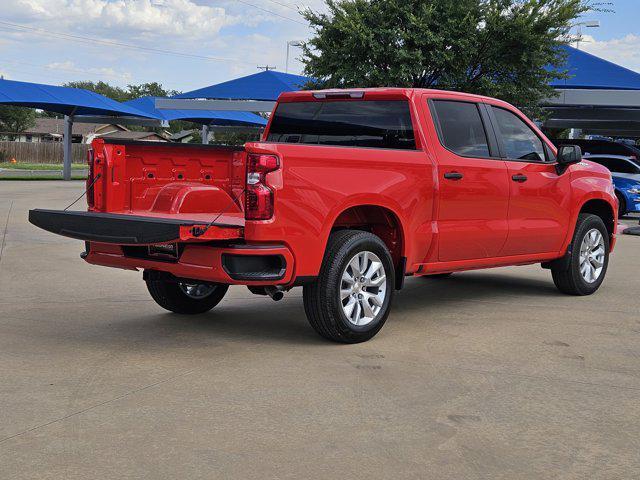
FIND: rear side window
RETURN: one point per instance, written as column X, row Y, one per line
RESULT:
column 520, row 142
column 351, row 123
column 461, row 129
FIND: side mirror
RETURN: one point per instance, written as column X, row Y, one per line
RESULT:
column 568, row 155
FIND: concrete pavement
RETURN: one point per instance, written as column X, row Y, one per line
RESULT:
column 485, row 375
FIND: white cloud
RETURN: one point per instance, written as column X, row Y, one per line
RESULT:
column 624, row 51
column 237, row 36
column 157, row 18
column 99, row 72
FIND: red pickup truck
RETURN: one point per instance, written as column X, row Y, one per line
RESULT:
column 348, row 192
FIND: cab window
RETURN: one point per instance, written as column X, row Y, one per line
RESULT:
column 351, row 123
column 520, row 142
column 460, row 128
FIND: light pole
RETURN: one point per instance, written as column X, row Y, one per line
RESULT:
column 291, row 43
column 588, row 24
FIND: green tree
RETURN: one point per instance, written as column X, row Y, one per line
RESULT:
column 499, row 48
column 152, row 89
column 103, row 88
column 16, row 119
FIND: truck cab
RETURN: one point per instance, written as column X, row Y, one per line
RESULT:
column 347, row 193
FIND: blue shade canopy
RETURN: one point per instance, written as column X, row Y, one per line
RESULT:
column 64, row 100
column 265, row 85
column 205, row 117
column 589, row 71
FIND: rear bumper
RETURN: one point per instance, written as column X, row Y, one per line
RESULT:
column 238, row 264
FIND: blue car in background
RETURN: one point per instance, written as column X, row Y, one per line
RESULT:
column 626, row 179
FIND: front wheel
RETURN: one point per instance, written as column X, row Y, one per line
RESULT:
column 350, row 300
column 186, row 298
column 584, row 272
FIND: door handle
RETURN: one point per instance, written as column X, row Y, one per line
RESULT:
column 519, row 178
column 453, row 175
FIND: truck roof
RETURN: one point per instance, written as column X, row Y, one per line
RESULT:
column 379, row 92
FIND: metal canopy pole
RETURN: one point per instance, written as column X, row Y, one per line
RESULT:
column 68, row 132
column 205, row 134
column 98, row 119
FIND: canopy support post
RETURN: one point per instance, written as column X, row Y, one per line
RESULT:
column 205, row 134
column 68, row 132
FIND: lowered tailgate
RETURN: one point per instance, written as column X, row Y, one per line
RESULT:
column 130, row 229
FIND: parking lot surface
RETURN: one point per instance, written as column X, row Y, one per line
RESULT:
column 485, row 375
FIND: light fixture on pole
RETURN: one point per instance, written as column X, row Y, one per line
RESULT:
column 588, row 24
column 291, row 43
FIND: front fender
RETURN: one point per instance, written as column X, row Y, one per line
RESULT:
column 585, row 189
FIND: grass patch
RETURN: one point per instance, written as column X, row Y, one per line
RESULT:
column 40, row 166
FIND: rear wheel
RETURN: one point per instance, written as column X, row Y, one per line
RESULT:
column 350, row 300
column 186, row 298
column 587, row 265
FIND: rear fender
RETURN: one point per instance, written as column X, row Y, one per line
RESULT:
column 366, row 201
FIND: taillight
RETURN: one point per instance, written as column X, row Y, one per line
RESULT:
column 259, row 197
column 90, row 198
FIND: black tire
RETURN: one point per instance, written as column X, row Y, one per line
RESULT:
column 171, row 297
column 569, row 280
column 322, row 302
column 622, row 205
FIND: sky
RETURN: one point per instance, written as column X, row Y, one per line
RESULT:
column 188, row 44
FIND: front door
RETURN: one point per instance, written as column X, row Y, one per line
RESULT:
column 473, row 197
column 540, row 200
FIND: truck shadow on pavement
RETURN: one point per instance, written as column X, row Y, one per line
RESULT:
column 460, row 288
column 258, row 319
column 254, row 320
column 243, row 321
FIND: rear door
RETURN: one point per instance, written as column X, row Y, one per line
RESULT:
column 473, row 196
column 540, row 199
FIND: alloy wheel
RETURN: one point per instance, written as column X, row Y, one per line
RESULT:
column 592, row 255
column 197, row 291
column 363, row 288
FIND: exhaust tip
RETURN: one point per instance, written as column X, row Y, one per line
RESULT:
column 275, row 293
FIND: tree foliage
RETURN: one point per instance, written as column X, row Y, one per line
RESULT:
column 103, row 88
column 16, row 119
column 499, row 48
column 151, row 89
